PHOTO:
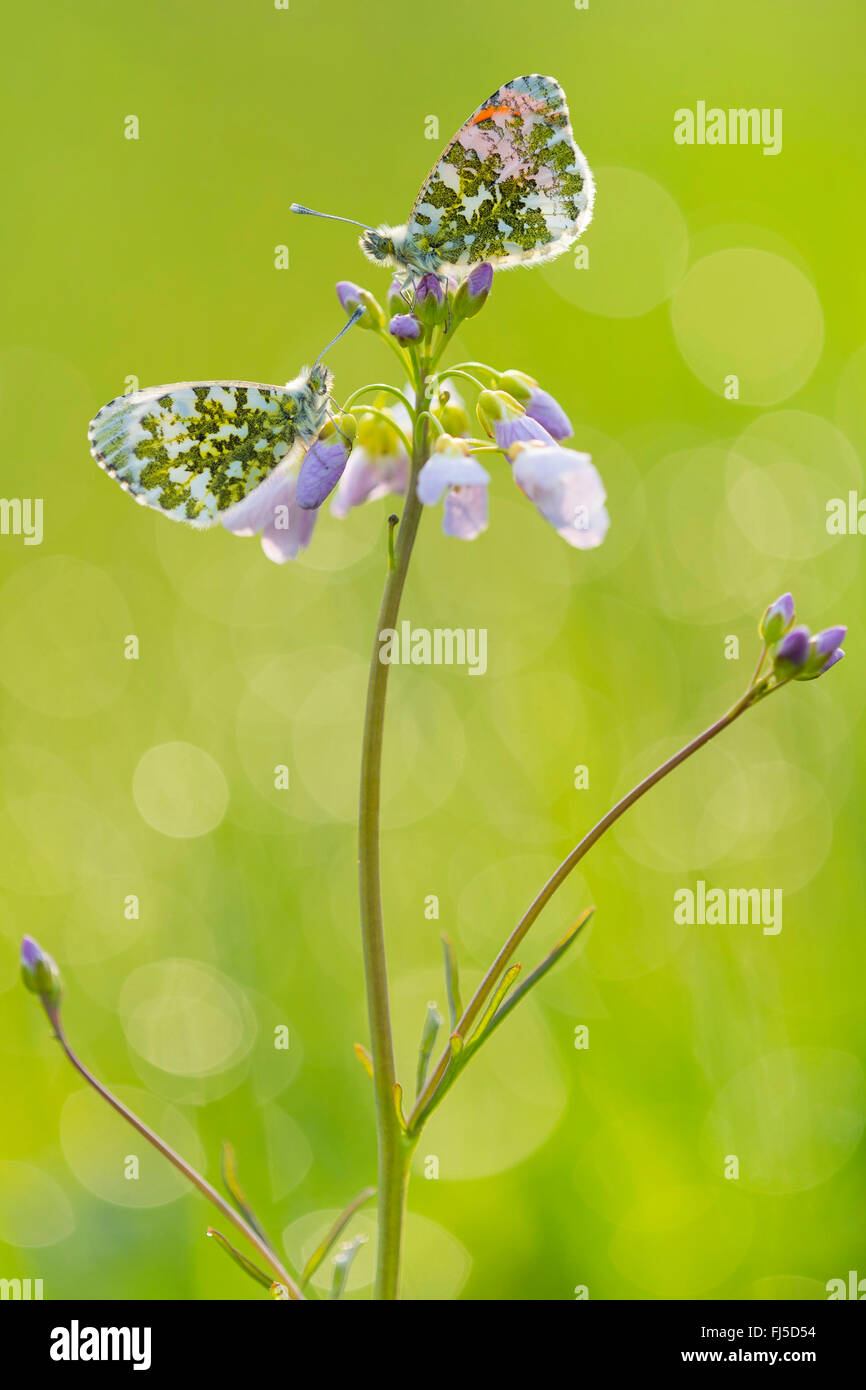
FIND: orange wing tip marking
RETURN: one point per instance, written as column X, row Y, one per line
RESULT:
column 487, row 112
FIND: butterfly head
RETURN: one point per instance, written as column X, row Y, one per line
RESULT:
column 389, row 246
column 318, row 381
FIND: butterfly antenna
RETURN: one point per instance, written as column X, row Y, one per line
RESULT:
column 346, row 326
column 329, row 216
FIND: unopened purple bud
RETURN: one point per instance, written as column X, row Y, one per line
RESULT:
column 430, row 300
column 777, row 619
column 405, row 328
column 430, row 287
column 473, row 291
column 480, row 280
column 827, row 641
column 792, row 652
column 353, row 297
column 39, row 972
column 349, row 295
column 824, row 651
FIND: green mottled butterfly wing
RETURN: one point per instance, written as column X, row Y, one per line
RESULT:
column 512, row 188
column 193, row 450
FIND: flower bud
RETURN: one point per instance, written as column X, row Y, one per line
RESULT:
column 792, row 653
column 325, row 462
column 405, row 328
column 777, row 619
column 352, row 297
column 507, row 422
column 397, row 301
column 40, row 973
column 824, row 651
column 472, row 292
column 453, row 418
column 539, row 405
column 430, row 305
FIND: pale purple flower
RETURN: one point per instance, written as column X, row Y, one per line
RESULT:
column 272, row 511
column 507, row 422
column 546, row 411
column 323, row 467
column 378, row 465
column 452, row 471
column 405, row 328
column 567, row 489
column 539, row 405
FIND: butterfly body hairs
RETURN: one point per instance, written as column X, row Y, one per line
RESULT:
column 512, row 188
column 196, row 451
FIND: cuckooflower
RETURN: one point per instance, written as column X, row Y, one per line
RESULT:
column 566, row 488
column 777, row 619
column 273, row 511
column 539, row 405
column 452, row 469
column 507, row 422
column 325, row 462
column 378, row 465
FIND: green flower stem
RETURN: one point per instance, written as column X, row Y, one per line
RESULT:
column 378, row 387
column 270, row 1258
column 389, row 421
column 476, row 1003
column 394, row 1151
column 452, row 372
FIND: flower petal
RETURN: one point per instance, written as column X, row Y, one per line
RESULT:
column 567, row 489
column 464, row 515
column 444, row 470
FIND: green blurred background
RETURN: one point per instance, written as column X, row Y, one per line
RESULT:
column 558, row 1167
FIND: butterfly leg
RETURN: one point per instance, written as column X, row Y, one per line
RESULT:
column 334, row 421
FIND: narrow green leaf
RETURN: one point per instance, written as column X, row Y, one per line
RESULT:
column 246, row 1265
column 343, row 1263
column 229, row 1172
column 495, row 1000
column 429, row 1034
column 540, row 971
column 334, row 1234
column 364, row 1058
column 452, row 979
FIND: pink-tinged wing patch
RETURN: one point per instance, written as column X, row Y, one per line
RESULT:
column 511, row 188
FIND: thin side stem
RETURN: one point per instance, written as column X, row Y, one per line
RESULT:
column 555, row 881
column 393, row 1150
column 279, row 1271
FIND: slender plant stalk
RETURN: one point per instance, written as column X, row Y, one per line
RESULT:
column 271, row 1259
column 476, row 1003
column 393, row 1151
